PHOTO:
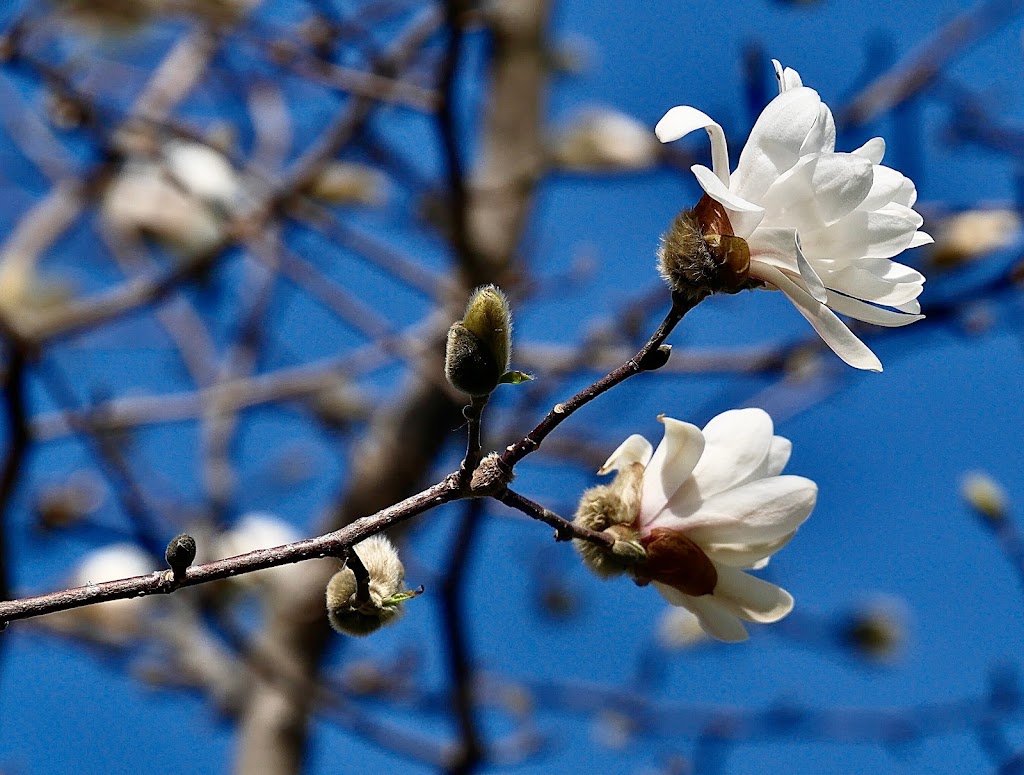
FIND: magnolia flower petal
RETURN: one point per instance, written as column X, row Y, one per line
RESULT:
column 822, row 137
column 743, row 215
column 754, row 513
column 869, row 313
column 887, row 187
column 746, row 555
column 775, row 246
column 810, row 278
column 891, row 271
column 829, row 327
column 788, row 78
column 873, row 150
column 913, row 307
column 775, row 141
column 818, row 191
column 880, row 234
column 751, row 598
column 681, row 120
column 716, row 620
column 778, row 456
column 920, row 238
column 635, row 449
column 863, row 284
column 673, row 460
column 736, row 444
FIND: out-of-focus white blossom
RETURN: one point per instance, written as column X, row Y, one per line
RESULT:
column 965, row 236
column 350, row 183
column 142, row 201
column 203, row 172
column 984, row 494
column 821, row 226
column 183, row 201
column 602, row 139
column 705, row 507
column 257, row 530
column 115, row 620
column 680, row 628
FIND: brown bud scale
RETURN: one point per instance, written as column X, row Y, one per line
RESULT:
column 676, row 560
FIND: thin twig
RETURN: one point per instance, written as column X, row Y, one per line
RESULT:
column 474, row 446
column 16, row 416
column 564, row 529
column 161, row 582
column 640, row 362
column 355, row 563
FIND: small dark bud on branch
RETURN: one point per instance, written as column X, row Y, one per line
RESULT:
column 656, row 358
column 180, row 554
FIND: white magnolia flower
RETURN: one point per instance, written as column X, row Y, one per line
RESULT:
column 712, row 503
column 822, row 226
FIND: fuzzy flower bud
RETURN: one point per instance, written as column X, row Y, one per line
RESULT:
column 480, row 345
column 383, row 595
column 612, row 508
column 699, row 255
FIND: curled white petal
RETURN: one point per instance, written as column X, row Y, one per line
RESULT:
column 681, row 120
column 635, row 449
column 743, row 215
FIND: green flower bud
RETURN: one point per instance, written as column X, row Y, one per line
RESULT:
column 480, row 345
column 383, row 602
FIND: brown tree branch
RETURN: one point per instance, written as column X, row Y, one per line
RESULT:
column 333, row 544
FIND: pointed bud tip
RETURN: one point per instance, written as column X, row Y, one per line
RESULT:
column 479, row 346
